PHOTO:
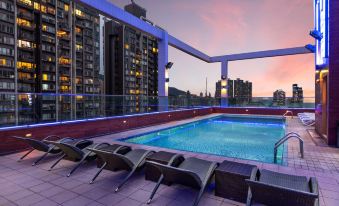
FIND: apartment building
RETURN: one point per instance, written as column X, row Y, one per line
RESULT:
column 131, row 66
column 48, row 47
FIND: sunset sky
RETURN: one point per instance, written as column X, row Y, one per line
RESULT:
column 219, row 27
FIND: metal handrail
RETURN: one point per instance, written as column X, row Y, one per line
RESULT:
column 284, row 139
column 288, row 112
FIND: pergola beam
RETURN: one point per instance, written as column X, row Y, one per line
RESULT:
column 261, row 54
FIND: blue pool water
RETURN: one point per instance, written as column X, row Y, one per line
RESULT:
column 245, row 137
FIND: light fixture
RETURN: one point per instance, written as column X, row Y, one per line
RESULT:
column 169, row 65
column 316, row 34
column 223, row 77
column 310, row 47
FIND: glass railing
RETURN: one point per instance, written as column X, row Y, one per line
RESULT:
column 33, row 108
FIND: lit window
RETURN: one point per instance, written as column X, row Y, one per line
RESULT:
column 2, row 62
column 126, row 46
column 44, row 28
column 25, row 65
column 36, row 6
column 66, row 7
column 27, row 2
column 63, row 60
column 44, row 86
column 78, row 47
column 79, row 13
column 44, row 77
column 78, row 30
column 23, row 22
column 43, row 9
column 154, row 50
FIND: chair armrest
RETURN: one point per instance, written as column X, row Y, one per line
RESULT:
column 51, row 136
column 313, row 183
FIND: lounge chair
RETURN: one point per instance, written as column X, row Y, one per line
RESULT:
column 41, row 145
column 76, row 151
column 130, row 161
column 273, row 188
column 192, row 172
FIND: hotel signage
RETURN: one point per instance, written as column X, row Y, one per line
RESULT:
column 321, row 8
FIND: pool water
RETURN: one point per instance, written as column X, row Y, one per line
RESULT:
column 245, row 137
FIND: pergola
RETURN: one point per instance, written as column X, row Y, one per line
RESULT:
column 164, row 38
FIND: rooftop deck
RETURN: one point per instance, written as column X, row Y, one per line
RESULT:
column 22, row 184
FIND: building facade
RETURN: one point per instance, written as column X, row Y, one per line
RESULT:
column 131, row 67
column 48, row 47
column 238, row 91
column 279, row 98
column 297, row 94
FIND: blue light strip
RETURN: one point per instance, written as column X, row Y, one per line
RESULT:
column 95, row 119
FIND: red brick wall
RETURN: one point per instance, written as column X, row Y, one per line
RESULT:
column 88, row 129
column 333, row 83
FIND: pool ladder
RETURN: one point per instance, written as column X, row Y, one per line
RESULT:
column 288, row 112
column 284, row 139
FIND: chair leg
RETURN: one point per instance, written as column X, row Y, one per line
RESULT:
column 55, row 163
column 197, row 199
column 76, row 166
column 38, row 160
column 155, row 189
column 25, row 155
column 126, row 179
column 97, row 174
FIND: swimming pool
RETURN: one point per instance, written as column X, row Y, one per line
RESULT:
column 245, row 137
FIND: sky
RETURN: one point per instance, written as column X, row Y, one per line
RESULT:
column 219, row 27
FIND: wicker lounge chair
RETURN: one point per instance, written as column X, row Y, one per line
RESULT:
column 76, row 151
column 192, row 172
column 41, row 145
column 124, row 159
column 273, row 188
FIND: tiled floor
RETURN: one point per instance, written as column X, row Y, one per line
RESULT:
column 22, row 184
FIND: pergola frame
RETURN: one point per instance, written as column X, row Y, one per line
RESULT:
column 164, row 39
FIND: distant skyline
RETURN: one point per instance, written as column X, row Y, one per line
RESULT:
column 219, row 27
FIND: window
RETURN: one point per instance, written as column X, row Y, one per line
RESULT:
column 23, row 22
column 63, row 60
column 43, row 9
column 36, row 6
column 7, row 40
column 6, row 85
column 66, row 7
column 6, row 51
column 5, row 28
column 25, row 65
column 26, row 44
column 27, row 2
column 6, row 62
column 6, row 6
column 48, row 29
column 7, row 17
column 7, row 74
column 64, row 79
column 79, row 13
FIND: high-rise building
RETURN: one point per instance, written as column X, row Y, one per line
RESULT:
column 131, row 66
column 238, row 91
column 49, row 47
column 279, row 98
column 297, row 94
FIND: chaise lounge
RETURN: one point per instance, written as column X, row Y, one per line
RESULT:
column 273, row 188
column 41, row 145
column 192, row 172
column 76, row 151
column 122, row 159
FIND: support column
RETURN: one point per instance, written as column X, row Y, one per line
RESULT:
column 224, row 77
column 163, row 73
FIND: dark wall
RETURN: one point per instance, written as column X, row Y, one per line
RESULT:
column 333, row 84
